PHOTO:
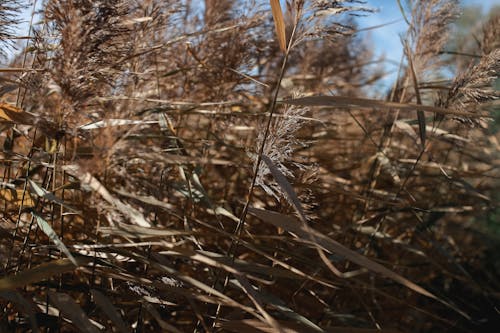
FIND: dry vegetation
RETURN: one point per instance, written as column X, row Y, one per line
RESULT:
column 178, row 167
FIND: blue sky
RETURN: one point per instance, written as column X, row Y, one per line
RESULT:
column 386, row 39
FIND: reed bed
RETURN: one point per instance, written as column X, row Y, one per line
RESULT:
column 230, row 166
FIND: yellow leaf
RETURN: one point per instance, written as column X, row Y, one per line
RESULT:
column 279, row 23
column 16, row 115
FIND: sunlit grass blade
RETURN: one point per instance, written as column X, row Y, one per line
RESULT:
column 257, row 301
column 344, row 101
column 47, row 229
column 420, row 113
column 43, row 193
column 286, row 187
column 279, row 23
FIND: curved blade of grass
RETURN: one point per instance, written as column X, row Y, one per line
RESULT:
column 109, row 309
column 279, row 23
column 254, row 326
column 309, row 234
column 402, row 10
column 420, row 113
column 71, row 310
column 43, row 193
column 343, row 101
column 39, row 273
column 222, row 298
column 87, row 179
column 148, row 200
column 286, row 187
column 47, row 229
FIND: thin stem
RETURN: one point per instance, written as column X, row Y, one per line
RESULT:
column 241, row 222
column 244, row 213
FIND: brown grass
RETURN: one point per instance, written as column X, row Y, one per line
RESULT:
column 226, row 168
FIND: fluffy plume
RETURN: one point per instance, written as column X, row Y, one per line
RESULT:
column 428, row 32
column 93, row 39
column 475, row 86
column 279, row 147
column 491, row 34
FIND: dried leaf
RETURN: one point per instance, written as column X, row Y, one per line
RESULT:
column 279, row 23
column 286, row 187
column 47, row 229
column 16, row 115
column 420, row 113
column 40, row 273
column 43, row 193
column 343, row 101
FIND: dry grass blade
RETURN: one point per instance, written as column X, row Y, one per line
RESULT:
column 71, row 310
column 276, row 303
column 148, row 200
column 342, row 101
column 286, row 187
column 420, row 113
column 89, row 180
column 309, row 234
column 4, row 89
column 47, row 229
column 279, row 23
column 43, row 193
column 105, row 304
column 221, row 297
column 135, row 231
column 16, row 115
column 40, row 273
